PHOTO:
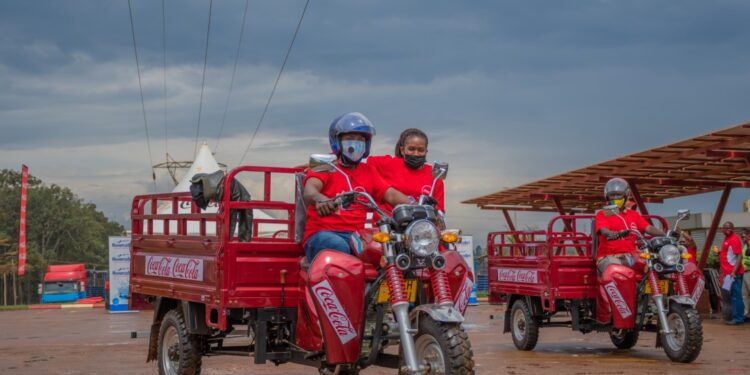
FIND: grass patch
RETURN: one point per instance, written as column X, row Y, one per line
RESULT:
column 13, row 307
column 481, row 294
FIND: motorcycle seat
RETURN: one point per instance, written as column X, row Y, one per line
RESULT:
column 371, row 273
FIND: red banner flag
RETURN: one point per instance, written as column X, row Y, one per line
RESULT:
column 22, row 227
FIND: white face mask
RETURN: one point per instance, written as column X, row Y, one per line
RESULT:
column 354, row 150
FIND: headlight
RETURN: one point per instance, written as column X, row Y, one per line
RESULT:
column 669, row 255
column 422, row 237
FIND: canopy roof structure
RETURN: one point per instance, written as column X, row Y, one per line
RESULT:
column 706, row 163
column 715, row 161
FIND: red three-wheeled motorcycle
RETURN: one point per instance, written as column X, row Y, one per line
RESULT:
column 405, row 285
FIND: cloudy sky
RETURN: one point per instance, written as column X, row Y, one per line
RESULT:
column 509, row 92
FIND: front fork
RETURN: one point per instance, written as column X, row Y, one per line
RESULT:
column 400, row 306
column 653, row 280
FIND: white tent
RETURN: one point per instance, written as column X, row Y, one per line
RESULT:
column 206, row 163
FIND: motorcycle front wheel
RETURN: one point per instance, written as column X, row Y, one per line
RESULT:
column 443, row 348
column 686, row 340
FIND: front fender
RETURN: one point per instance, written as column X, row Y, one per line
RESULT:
column 683, row 300
column 443, row 314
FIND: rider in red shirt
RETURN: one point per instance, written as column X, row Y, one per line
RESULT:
column 329, row 227
column 616, row 255
column 408, row 172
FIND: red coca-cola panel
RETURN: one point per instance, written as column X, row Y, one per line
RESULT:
column 337, row 284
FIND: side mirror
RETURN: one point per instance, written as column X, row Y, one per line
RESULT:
column 683, row 214
column 439, row 170
column 322, row 162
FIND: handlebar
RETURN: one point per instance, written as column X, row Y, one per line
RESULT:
column 344, row 200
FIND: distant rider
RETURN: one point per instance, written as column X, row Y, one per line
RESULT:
column 329, row 227
column 617, row 258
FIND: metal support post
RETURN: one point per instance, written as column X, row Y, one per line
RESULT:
column 714, row 225
column 639, row 201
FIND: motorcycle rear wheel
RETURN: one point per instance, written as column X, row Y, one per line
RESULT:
column 625, row 339
column 179, row 353
column 685, row 343
column 443, row 347
column 523, row 327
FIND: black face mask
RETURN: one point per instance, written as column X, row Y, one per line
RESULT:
column 414, row 162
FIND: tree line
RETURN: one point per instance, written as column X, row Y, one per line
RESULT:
column 60, row 229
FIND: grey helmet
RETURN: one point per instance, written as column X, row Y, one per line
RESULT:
column 616, row 187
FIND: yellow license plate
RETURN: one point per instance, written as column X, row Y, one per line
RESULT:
column 663, row 285
column 384, row 293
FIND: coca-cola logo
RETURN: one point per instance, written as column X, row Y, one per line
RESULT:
column 175, row 267
column 698, row 290
column 616, row 298
column 334, row 311
column 518, row 275
column 462, row 300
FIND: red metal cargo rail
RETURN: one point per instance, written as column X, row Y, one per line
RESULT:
column 189, row 256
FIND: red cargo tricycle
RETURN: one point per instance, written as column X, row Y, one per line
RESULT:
column 215, row 295
column 549, row 279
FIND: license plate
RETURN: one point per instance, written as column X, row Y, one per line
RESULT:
column 663, row 286
column 384, row 293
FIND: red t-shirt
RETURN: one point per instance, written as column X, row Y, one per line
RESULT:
column 629, row 219
column 411, row 182
column 731, row 253
column 364, row 178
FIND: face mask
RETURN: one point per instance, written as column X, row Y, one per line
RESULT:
column 414, row 162
column 353, row 150
column 620, row 203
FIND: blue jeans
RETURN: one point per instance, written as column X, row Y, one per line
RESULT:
column 327, row 239
column 738, row 307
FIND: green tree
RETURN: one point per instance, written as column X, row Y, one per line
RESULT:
column 60, row 228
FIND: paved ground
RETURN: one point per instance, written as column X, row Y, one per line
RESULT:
column 91, row 341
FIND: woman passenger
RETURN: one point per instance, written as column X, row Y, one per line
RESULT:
column 408, row 171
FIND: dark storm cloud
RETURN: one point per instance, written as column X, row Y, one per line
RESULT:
column 508, row 91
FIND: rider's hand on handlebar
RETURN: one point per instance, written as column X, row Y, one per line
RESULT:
column 325, row 207
column 623, row 233
column 612, row 236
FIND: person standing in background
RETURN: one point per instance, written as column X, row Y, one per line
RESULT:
column 730, row 262
column 745, row 237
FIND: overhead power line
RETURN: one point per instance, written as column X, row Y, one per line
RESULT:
column 278, row 77
column 140, row 86
column 231, row 82
column 203, row 83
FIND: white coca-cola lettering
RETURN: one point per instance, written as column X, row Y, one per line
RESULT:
column 698, row 290
column 334, row 311
column 617, row 300
column 463, row 296
column 175, row 267
column 518, row 275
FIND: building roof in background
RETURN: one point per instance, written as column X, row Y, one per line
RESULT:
column 697, row 165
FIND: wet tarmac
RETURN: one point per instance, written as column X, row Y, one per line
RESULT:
column 92, row 341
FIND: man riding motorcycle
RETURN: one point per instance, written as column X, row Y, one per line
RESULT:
column 350, row 136
column 617, row 262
